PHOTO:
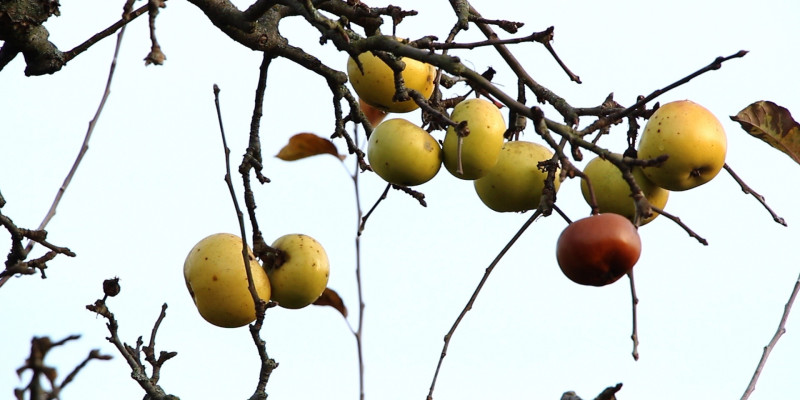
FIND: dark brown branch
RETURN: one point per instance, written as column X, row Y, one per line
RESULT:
column 411, row 192
column 542, row 94
column 682, row 225
column 367, row 215
column 540, row 37
column 257, row 9
column 69, row 55
column 267, row 364
column 156, row 56
column 618, row 116
column 132, row 355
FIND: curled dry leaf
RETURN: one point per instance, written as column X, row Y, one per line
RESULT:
column 304, row 145
column 773, row 124
column 330, row 298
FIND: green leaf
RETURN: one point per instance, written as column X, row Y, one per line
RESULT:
column 773, row 124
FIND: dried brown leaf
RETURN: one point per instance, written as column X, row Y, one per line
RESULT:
column 303, row 145
column 331, row 298
column 773, row 124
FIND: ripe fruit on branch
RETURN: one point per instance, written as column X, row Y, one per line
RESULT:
column 516, row 182
column 479, row 149
column 301, row 274
column 403, row 153
column 374, row 115
column 613, row 194
column 693, row 138
column 598, row 250
column 215, row 275
column 376, row 85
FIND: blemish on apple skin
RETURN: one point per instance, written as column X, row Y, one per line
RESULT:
column 214, row 278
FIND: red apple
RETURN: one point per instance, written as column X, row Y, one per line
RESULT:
column 598, row 250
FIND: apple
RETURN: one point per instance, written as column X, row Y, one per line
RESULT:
column 376, row 84
column 598, row 250
column 215, row 275
column 694, row 140
column 403, row 153
column 481, row 148
column 374, row 115
column 613, row 194
column 516, row 182
column 301, row 275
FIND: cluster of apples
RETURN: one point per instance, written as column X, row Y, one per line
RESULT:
column 505, row 174
column 600, row 249
column 215, row 275
column 596, row 250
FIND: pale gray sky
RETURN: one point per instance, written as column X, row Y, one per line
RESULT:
column 151, row 186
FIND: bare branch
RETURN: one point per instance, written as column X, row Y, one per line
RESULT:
column 489, row 269
column 747, row 190
column 768, row 348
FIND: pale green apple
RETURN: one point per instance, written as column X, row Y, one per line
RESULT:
column 612, row 192
column 403, row 153
column 516, row 182
column 479, row 149
column 215, row 275
column 694, row 140
column 302, row 273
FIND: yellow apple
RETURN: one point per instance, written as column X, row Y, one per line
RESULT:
column 516, row 182
column 479, row 149
column 403, row 153
column 215, row 275
column 694, row 140
column 301, row 275
column 613, row 194
column 376, row 84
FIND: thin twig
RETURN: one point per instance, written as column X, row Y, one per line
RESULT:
column 634, row 304
column 132, row 355
column 70, row 54
column 474, row 296
column 747, row 190
column 267, row 364
column 85, row 146
column 678, row 221
column 534, row 37
column 768, row 349
column 156, row 56
column 366, row 216
column 612, row 118
column 358, row 332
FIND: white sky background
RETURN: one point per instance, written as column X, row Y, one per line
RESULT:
column 151, row 186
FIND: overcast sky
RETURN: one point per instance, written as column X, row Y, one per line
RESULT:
column 152, row 185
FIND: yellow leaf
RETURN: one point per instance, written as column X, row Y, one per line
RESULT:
column 773, row 124
column 331, row 298
column 304, row 145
